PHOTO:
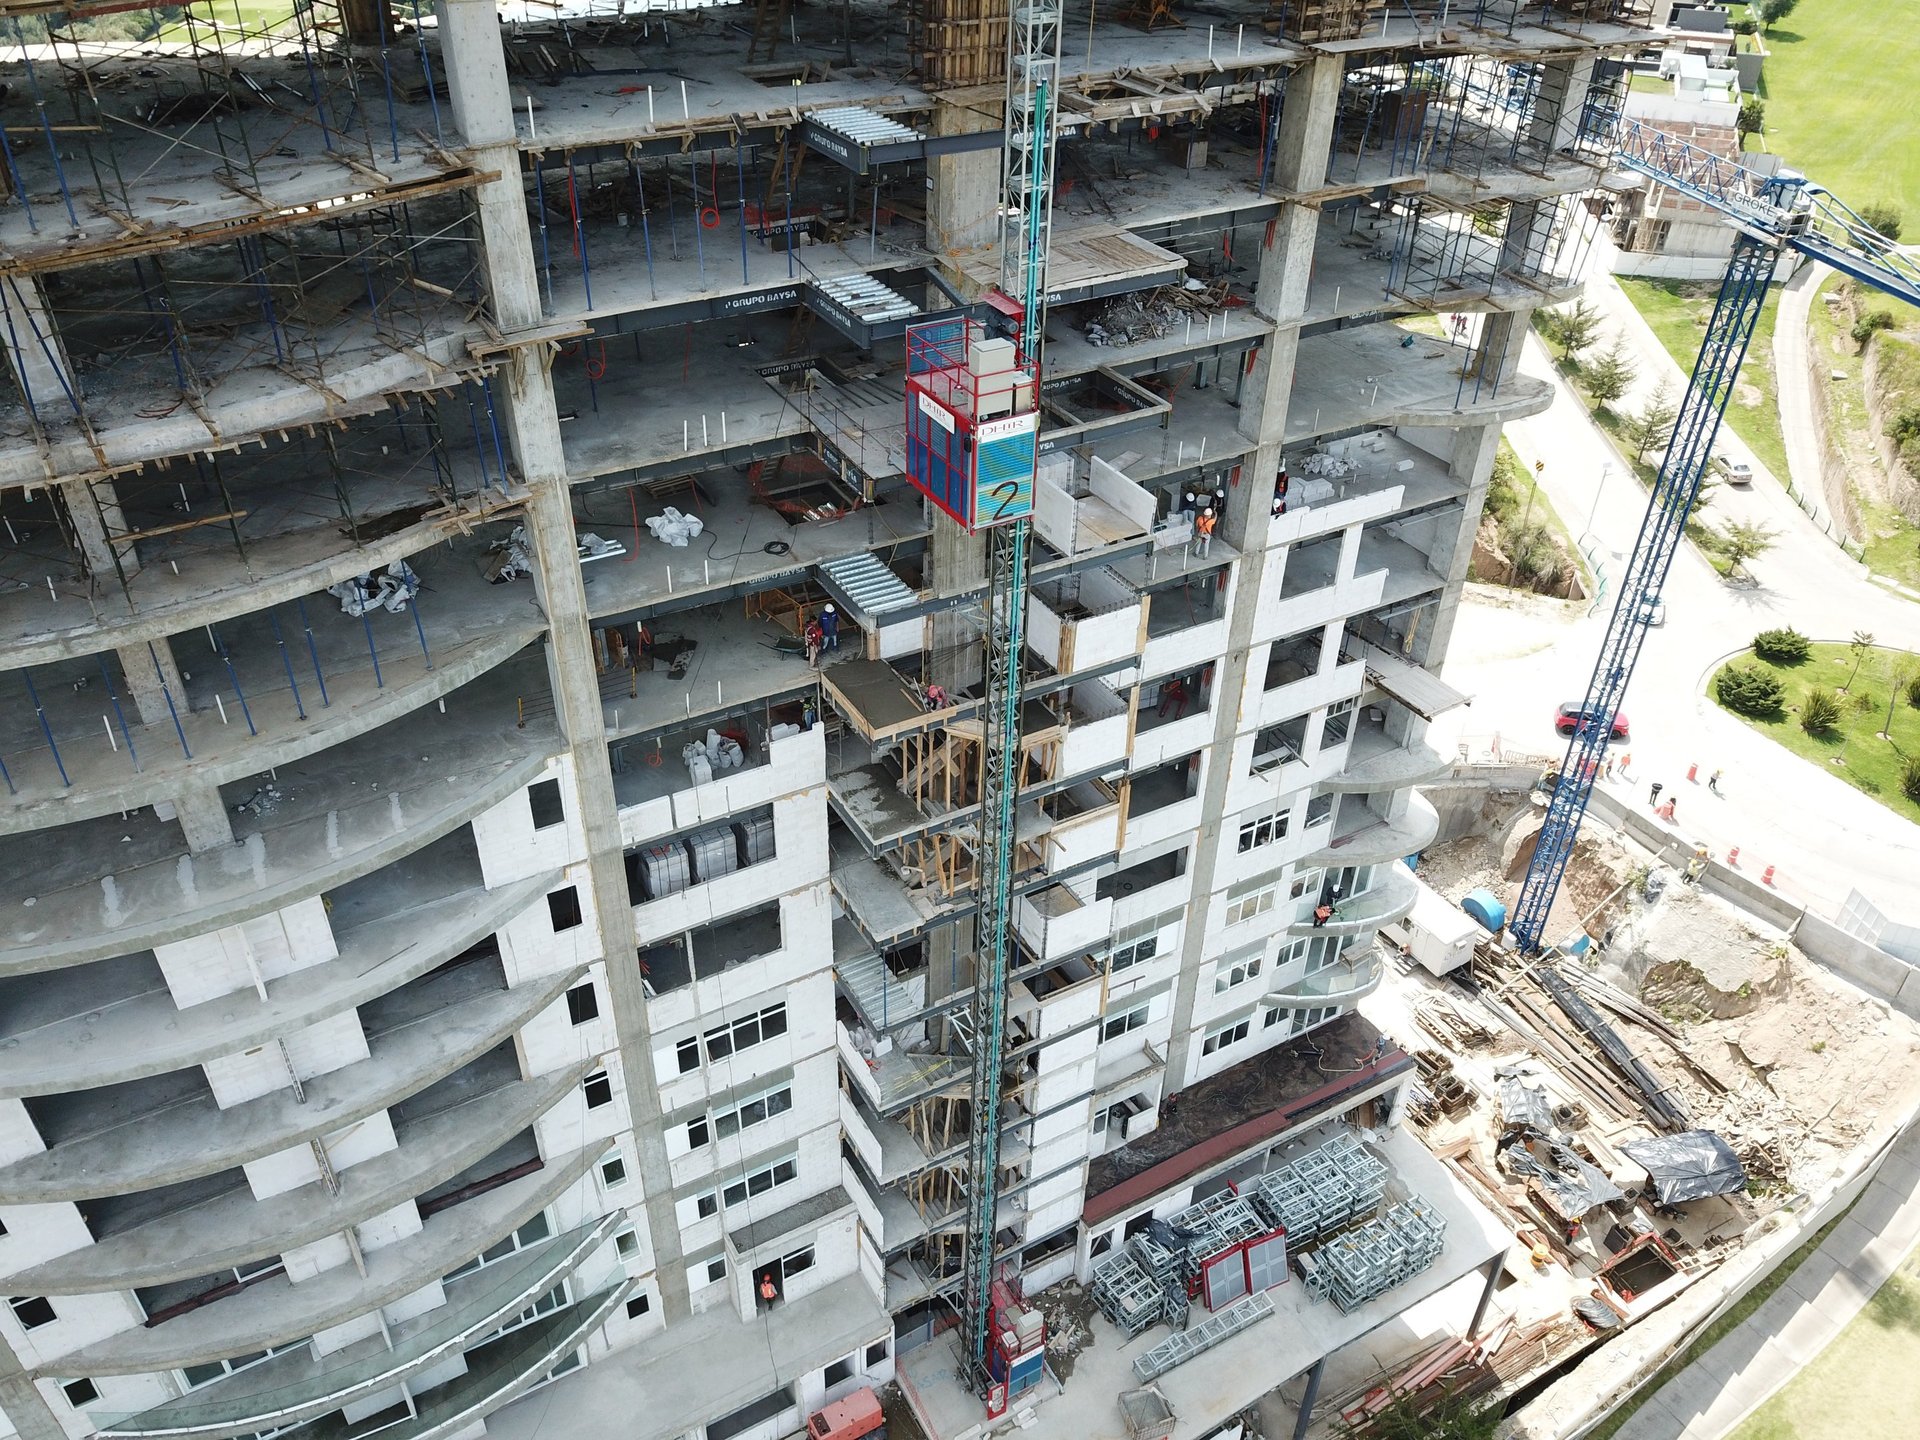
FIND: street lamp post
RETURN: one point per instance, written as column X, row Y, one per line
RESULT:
column 1606, row 470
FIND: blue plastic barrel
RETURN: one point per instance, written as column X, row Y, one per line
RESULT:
column 1485, row 907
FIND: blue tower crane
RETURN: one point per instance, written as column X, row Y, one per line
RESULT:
column 1770, row 214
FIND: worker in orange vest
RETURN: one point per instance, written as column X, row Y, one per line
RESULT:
column 1203, row 532
column 769, row 1292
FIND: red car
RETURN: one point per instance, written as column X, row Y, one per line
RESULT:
column 1568, row 717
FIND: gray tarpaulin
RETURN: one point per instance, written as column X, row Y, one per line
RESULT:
column 1689, row 1166
column 1570, row 1183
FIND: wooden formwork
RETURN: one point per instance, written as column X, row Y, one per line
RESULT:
column 960, row 42
column 1317, row 20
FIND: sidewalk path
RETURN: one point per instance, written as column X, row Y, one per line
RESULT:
column 1791, row 376
column 1712, row 1396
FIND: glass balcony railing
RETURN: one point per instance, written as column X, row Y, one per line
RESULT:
column 295, row 1386
column 1337, row 983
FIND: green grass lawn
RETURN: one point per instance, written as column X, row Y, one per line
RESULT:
column 1859, row 1386
column 1678, row 311
column 1839, row 88
column 1853, row 751
column 1892, row 541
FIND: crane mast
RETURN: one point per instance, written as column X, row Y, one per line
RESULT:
column 1026, row 214
column 1771, row 214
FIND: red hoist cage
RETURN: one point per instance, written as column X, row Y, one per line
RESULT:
column 973, row 408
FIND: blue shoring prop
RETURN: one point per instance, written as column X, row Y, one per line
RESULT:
column 286, row 660
column 46, row 729
column 166, row 692
column 313, row 652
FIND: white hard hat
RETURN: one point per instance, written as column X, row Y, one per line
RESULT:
column 1207, row 511
column 830, row 610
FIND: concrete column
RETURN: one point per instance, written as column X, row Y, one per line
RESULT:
column 1306, row 133
column 963, row 191
column 1493, row 1268
column 144, row 671
column 22, row 1402
column 1308, row 1400
column 202, row 815
column 477, row 86
column 93, row 509
column 1474, row 449
column 956, row 564
column 1564, row 87
column 34, row 349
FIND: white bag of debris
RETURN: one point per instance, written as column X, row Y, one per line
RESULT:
column 392, row 590
column 698, row 765
column 674, row 528
column 723, row 752
column 508, row 559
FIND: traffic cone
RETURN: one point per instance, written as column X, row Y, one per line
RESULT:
column 1693, row 774
column 1767, row 879
column 1733, row 857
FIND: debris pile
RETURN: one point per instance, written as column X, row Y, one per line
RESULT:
column 1153, row 314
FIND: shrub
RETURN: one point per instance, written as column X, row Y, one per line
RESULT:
column 1910, row 779
column 1884, row 218
column 1819, row 712
column 1752, row 118
column 1913, row 692
column 1782, row 647
column 1750, row 690
column 1861, row 702
column 1869, row 325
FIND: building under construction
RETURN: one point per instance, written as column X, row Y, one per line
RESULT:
column 477, row 406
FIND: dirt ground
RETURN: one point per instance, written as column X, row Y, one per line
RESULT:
column 1807, row 1062
column 1496, row 859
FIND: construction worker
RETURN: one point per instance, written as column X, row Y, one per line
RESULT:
column 936, row 696
column 1173, row 696
column 1665, row 812
column 1203, row 533
column 1322, row 913
column 830, row 628
column 1713, row 781
column 815, row 637
column 769, row 1292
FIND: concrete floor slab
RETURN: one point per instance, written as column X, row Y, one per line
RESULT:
column 701, row 1368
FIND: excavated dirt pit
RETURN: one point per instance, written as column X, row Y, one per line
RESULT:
column 1809, row 1062
column 1804, row 1063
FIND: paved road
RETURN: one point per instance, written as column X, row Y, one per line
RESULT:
column 1823, row 836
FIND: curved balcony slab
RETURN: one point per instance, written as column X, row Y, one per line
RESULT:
column 295, row 1387
column 103, row 783
column 1368, row 840
column 275, row 1311
column 113, row 898
column 149, row 1036
column 362, row 370
column 1375, row 764
column 1390, row 898
column 504, row 1370
column 1338, row 984
column 278, row 571
column 200, row 1138
column 234, row 1228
